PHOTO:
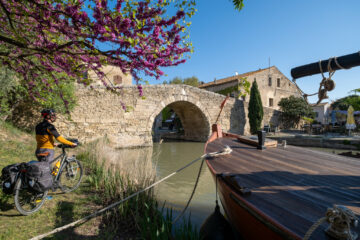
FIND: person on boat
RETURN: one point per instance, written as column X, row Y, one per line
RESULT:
column 45, row 135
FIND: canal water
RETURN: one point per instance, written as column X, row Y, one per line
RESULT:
column 174, row 192
column 168, row 157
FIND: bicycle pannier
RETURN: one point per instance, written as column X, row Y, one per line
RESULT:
column 8, row 177
column 39, row 176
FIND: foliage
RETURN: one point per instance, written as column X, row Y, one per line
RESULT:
column 227, row 91
column 242, row 89
column 44, row 37
column 140, row 213
column 293, row 109
column 191, row 81
column 256, row 111
column 345, row 102
column 308, row 120
column 166, row 113
column 17, row 146
column 355, row 91
column 12, row 93
column 238, row 4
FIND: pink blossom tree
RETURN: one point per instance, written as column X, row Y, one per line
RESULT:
column 40, row 38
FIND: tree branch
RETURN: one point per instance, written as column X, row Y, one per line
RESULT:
column 13, row 42
column 7, row 14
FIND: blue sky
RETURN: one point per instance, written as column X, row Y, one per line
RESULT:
column 291, row 33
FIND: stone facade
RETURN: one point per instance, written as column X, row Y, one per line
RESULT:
column 113, row 74
column 100, row 113
column 273, row 85
column 322, row 111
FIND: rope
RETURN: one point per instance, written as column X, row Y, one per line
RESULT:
column 326, row 84
column 227, row 150
column 313, row 227
column 336, row 216
column 337, row 64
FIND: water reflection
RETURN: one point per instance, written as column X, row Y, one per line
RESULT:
column 175, row 191
column 171, row 156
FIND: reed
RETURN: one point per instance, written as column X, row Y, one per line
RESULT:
column 114, row 175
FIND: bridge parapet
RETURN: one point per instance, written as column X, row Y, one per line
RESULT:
column 100, row 112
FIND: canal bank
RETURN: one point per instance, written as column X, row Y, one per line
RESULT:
column 319, row 141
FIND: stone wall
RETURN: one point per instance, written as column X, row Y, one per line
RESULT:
column 113, row 74
column 286, row 88
column 99, row 113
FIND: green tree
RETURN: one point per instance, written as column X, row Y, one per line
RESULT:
column 192, row 81
column 345, row 102
column 238, row 4
column 293, row 109
column 13, row 93
column 176, row 80
column 242, row 89
column 10, row 92
column 256, row 111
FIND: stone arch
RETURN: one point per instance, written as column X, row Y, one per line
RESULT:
column 194, row 117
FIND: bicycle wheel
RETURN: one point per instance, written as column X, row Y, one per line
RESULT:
column 71, row 175
column 26, row 200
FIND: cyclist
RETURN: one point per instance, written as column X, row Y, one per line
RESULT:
column 45, row 135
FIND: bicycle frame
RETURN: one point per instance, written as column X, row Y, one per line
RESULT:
column 63, row 157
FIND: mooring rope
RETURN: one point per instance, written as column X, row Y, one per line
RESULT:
column 336, row 216
column 225, row 151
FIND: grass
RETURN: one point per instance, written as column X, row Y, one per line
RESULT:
column 140, row 216
column 108, row 178
column 17, row 146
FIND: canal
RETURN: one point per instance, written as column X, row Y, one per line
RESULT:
column 166, row 158
column 176, row 191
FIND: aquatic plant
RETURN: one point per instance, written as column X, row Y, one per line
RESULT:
column 115, row 177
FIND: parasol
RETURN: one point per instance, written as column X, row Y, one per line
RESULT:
column 350, row 121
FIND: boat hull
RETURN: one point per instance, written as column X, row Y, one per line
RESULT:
column 279, row 193
column 249, row 222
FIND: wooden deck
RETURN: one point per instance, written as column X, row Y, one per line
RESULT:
column 292, row 185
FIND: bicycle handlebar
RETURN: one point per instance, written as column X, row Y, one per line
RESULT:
column 74, row 140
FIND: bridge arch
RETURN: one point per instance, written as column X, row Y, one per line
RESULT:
column 100, row 112
column 194, row 117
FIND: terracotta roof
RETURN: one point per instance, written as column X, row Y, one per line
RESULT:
column 232, row 78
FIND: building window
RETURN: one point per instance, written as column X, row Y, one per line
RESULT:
column 271, row 102
column 316, row 114
column 278, row 82
column 117, row 79
column 85, row 75
column 270, row 82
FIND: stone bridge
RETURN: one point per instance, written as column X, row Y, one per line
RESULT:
column 99, row 113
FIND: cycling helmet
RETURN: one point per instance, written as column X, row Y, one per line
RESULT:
column 48, row 112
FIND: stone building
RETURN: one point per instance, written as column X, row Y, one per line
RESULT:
column 322, row 112
column 273, row 85
column 113, row 74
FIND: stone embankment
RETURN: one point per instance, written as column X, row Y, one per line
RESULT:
column 335, row 142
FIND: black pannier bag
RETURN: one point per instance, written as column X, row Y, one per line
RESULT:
column 8, row 177
column 39, row 176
